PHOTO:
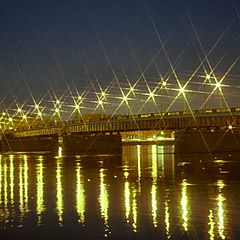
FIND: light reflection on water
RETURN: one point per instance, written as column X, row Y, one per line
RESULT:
column 184, row 205
column 144, row 192
column 80, row 195
column 221, row 212
column 59, row 191
column 40, row 189
column 104, row 201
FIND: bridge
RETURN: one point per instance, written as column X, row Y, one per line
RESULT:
column 226, row 118
column 118, row 109
column 198, row 123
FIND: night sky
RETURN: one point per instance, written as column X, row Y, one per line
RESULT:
column 54, row 44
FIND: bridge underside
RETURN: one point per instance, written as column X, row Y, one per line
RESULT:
column 207, row 141
column 185, row 141
column 95, row 144
column 74, row 144
column 30, row 144
column 211, row 131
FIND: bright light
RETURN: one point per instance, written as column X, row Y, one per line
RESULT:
column 126, row 174
column 40, row 190
column 80, row 196
column 77, row 107
column 100, row 102
column 24, row 117
column 218, row 85
column 39, row 114
column 36, row 106
column 10, row 119
column 4, row 114
column 230, row 127
column 104, row 199
column 125, row 98
column 57, row 110
column 182, row 90
column 59, row 188
column 80, row 99
column 184, row 205
column 131, row 89
column 60, row 151
column 208, row 76
column 103, row 94
column 19, row 110
column 151, row 95
column 164, row 84
column 57, row 101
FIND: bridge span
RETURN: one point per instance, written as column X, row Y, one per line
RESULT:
column 199, row 119
column 199, row 124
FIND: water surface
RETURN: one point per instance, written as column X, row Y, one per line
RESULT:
column 145, row 193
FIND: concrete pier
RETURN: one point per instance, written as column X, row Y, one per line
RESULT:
column 29, row 144
column 194, row 141
column 92, row 144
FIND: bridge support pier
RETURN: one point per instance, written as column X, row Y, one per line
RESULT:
column 203, row 141
column 29, row 144
column 91, row 143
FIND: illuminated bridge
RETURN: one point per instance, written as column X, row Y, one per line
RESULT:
column 202, row 125
column 212, row 119
column 200, row 110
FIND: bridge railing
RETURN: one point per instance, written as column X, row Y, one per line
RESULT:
column 208, row 118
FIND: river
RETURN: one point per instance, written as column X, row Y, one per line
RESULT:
column 145, row 193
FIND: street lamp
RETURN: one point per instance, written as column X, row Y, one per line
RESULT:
column 36, row 106
column 103, row 94
column 182, row 90
column 164, row 83
column 208, row 76
column 218, row 85
column 131, row 89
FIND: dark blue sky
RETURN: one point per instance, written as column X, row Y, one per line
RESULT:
column 54, row 43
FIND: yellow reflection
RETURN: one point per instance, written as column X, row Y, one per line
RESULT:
column 104, row 201
column 220, row 185
column 184, row 205
column 211, row 225
column 134, row 210
column 59, row 151
column 5, row 190
column 154, row 162
column 40, row 189
column 59, row 192
column 221, row 213
column 139, row 161
column 161, row 151
column 130, row 201
column 11, row 179
column 127, row 200
column 0, row 179
column 167, row 219
column 80, row 196
column 21, row 202
column 154, row 204
column 25, row 182
column 154, row 185
column 23, row 185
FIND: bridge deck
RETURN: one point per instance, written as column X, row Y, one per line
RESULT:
column 211, row 118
